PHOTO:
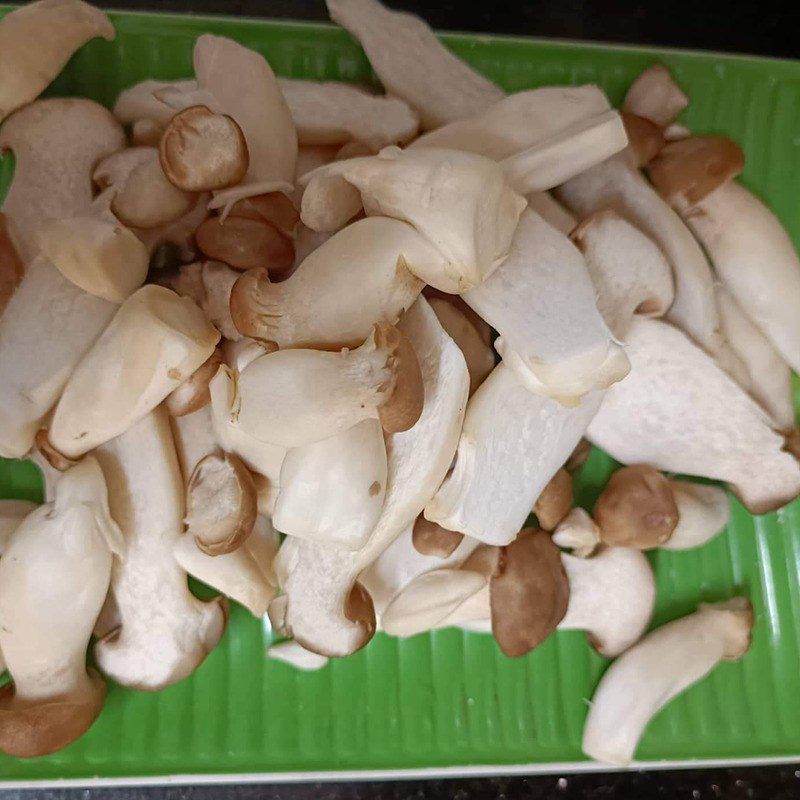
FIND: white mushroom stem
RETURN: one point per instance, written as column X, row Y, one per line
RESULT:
column 12, row 512
column 552, row 212
column 654, row 95
column 37, row 40
column 295, row 655
column 678, row 411
column 542, row 302
column 577, row 532
column 317, row 581
column 47, row 624
column 661, row 666
column 413, row 64
column 332, row 491
column 165, row 632
column 154, row 343
column 512, row 443
column 703, row 512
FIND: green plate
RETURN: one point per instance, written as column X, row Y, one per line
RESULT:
column 450, row 699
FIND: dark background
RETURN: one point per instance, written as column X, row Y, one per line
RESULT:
column 750, row 26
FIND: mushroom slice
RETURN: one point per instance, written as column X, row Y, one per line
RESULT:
column 430, row 539
column 703, row 512
column 460, row 202
column 295, row 397
column 220, row 504
column 512, row 444
column 413, row 64
column 555, row 501
column 678, row 411
column 193, row 394
column 47, row 624
column 577, row 532
column 244, row 575
column 333, row 113
column 629, row 272
column 36, row 42
column 332, row 491
column 611, row 598
column 194, row 439
column 165, row 632
column 154, row 343
column 245, row 243
column 661, row 666
column 636, row 509
column 542, row 302
column 360, row 276
column 317, row 581
column 222, row 68
column 200, row 151
column 552, row 212
column 295, row 655
column 12, row 512
column 654, row 95
column 528, row 592
column 143, row 101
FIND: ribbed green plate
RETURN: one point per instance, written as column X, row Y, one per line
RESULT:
column 451, row 699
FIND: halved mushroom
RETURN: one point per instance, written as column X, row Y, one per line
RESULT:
column 36, row 42
column 513, row 442
column 295, row 655
column 654, row 95
column 200, row 151
column 12, row 512
column 333, row 113
column 165, row 632
column 678, row 411
column 194, row 439
column 460, row 202
column 555, row 501
column 360, row 276
column 318, row 581
column 542, row 302
column 413, row 64
column 193, row 394
column 245, row 243
column 47, row 624
column 552, row 212
column 332, row 491
column 703, row 512
column 661, row 666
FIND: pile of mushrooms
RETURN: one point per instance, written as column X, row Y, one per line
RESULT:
column 261, row 332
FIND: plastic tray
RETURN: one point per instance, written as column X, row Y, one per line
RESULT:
column 449, row 702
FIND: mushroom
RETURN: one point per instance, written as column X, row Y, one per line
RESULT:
column 165, row 632
column 678, row 411
column 220, row 504
column 295, row 397
column 12, row 513
column 413, row 64
column 661, row 666
column 179, row 234
column 552, row 212
column 194, row 439
column 274, row 207
column 154, row 343
column 332, row 491
column 318, row 581
column 645, row 137
column 430, row 539
column 200, row 151
column 244, row 575
column 555, row 501
column 11, row 266
column 655, row 96
column 577, row 532
column 542, row 302
column 37, row 41
column 513, row 442
column 245, row 243
column 193, row 394
column 703, row 511
column 578, row 457
column 295, row 655
column 47, row 624
column 460, row 202
column 333, row 113
column 360, row 276
column 142, row 102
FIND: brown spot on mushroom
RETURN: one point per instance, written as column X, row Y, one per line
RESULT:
column 528, row 593
column 689, row 169
column 11, row 266
column 555, row 501
column 403, row 405
column 374, row 488
column 244, row 243
column 636, row 509
column 645, row 138
column 579, row 456
column 431, row 539
column 201, row 151
column 193, row 393
column 54, row 458
column 275, row 207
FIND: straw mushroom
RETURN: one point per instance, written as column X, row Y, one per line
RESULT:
column 53, row 698
column 657, row 669
column 655, row 96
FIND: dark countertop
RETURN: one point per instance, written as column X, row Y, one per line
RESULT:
column 746, row 27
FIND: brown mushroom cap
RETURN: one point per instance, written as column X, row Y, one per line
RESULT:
column 579, row 456
column 193, row 394
column 528, row 594
column 29, row 729
column 11, row 266
column 484, row 328
column 555, row 501
column 275, row 207
column 431, row 539
column 403, row 406
column 247, row 302
column 483, row 560
column 687, row 170
column 201, row 151
column 245, row 243
column 646, row 139
column 636, row 509
column 221, row 503
column 54, row 458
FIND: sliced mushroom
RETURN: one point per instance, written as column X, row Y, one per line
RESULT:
column 47, row 624
column 244, row 243
column 332, row 491
column 555, row 501
column 165, row 632
column 552, row 212
column 678, row 411
column 193, row 394
column 295, row 655
column 12, row 513
column 36, row 42
column 194, row 439
column 703, row 512
column 655, row 96
column 657, row 669
column 318, row 581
